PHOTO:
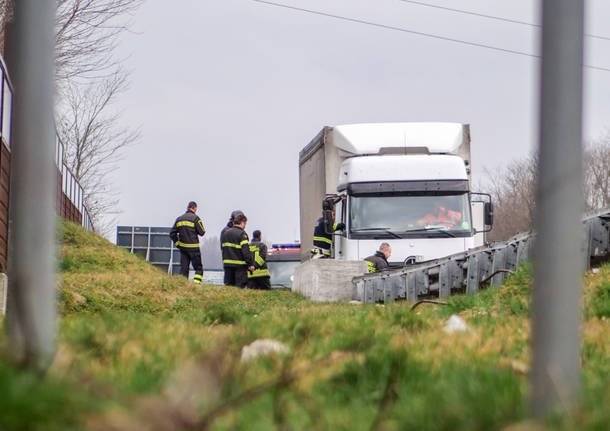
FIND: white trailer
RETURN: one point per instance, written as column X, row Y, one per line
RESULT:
column 386, row 180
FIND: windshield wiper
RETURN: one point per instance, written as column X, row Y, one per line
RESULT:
column 431, row 229
column 378, row 229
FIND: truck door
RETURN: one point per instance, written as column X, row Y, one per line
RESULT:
column 339, row 236
column 477, row 223
column 482, row 216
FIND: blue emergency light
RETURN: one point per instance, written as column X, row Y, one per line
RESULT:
column 286, row 245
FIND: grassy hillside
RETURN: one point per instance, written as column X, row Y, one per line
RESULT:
column 139, row 349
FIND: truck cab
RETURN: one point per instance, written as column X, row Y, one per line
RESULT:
column 419, row 204
column 407, row 184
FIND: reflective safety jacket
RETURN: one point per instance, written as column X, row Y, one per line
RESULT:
column 322, row 241
column 259, row 255
column 444, row 217
column 377, row 262
column 222, row 232
column 236, row 248
column 186, row 231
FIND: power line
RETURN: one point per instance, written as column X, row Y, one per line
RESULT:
column 419, row 33
column 482, row 15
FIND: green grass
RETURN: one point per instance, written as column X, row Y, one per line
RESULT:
column 599, row 301
column 138, row 347
column 28, row 402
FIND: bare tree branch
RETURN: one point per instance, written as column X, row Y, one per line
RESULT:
column 94, row 140
column 89, row 78
column 6, row 15
column 597, row 173
column 513, row 189
column 86, row 36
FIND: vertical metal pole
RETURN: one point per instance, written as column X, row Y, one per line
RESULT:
column 31, row 296
column 558, row 258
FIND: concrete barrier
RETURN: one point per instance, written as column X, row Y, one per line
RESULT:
column 327, row 280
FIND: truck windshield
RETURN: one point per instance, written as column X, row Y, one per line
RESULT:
column 410, row 215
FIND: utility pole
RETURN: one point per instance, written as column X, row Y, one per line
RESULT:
column 558, row 259
column 32, row 289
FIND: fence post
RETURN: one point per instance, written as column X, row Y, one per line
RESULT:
column 31, row 292
column 559, row 203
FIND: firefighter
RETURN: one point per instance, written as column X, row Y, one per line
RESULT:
column 323, row 241
column 443, row 217
column 230, row 223
column 379, row 261
column 236, row 257
column 185, row 234
column 260, row 278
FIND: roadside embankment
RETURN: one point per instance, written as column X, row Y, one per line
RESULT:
column 138, row 349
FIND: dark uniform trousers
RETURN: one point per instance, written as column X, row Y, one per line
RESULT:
column 236, row 276
column 262, row 283
column 188, row 257
column 236, row 256
column 185, row 234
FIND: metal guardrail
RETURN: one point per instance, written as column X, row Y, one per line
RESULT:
column 469, row 271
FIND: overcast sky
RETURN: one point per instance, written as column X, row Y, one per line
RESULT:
column 227, row 92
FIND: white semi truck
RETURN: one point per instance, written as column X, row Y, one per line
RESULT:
column 407, row 184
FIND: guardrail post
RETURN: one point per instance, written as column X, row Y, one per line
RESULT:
column 31, row 291
column 472, row 274
column 498, row 263
column 558, row 260
column 411, row 286
column 444, row 281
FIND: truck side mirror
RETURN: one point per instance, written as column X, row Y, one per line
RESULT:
column 489, row 213
column 327, row 213
column 328, row 220
column 328, row 205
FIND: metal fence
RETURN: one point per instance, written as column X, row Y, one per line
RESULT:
column 70, row 185
column 6, row 101
column 469, row 271
column 152, row 243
